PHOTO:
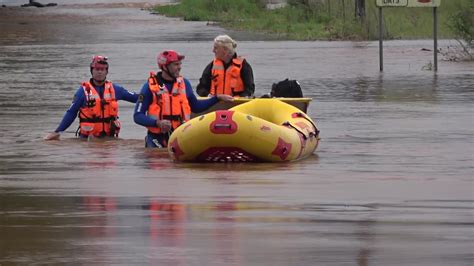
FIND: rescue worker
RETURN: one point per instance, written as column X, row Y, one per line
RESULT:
column 228, row 73
column 166, row 100
column 95, row 102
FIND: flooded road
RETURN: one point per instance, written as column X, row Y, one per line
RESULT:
column 390, row 184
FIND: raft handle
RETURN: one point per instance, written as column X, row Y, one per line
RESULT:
column 219, row 126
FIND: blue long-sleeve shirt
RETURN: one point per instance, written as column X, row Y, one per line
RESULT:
column 80, row 101
column 146, row 97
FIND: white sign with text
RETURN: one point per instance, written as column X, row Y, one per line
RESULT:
column 408, row 3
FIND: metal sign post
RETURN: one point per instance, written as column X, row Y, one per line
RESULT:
column 409, row 3
column 435, row 38
column 381, row 39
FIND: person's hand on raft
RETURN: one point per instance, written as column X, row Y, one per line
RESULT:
column 225, row 98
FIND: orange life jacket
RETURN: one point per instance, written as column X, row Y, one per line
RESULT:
column 99, row 117
column 227, row 81
column 172, row 106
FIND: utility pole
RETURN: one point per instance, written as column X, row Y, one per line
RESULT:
column 343, row 12
column 329, row 8
column 360, row 8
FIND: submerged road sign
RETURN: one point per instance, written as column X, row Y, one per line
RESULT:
column 424, row 3
column 408, row 3
column 388, row 3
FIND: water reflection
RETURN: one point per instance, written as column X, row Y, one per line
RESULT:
column 154, row 159
column 366, row 236
column 111, row 229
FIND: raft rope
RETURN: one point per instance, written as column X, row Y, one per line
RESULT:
column 316, row 132
column 288, row 124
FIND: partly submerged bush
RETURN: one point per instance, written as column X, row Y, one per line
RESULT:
column 462, row 25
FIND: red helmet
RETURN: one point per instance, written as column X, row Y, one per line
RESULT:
column 99, row 61
column 167, row 57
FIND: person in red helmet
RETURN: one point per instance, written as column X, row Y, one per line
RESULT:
column 166, row 100
column 95, row 102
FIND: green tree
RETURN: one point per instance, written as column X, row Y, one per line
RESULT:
column 462, row 24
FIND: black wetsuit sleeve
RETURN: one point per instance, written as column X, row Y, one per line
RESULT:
column 204, row 86
column 246, row 73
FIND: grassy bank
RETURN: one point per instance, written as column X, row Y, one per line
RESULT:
column 320, row 19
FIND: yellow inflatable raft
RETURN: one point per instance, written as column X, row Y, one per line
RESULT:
column 260, row 130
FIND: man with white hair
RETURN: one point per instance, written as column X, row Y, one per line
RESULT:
column 228, row 73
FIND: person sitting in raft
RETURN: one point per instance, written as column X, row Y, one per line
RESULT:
column 96, row 103
column 166, row 100
column 228, row 73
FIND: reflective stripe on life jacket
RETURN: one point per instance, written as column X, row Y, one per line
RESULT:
column 172, row 106
column 227, row 81
column 99, row 117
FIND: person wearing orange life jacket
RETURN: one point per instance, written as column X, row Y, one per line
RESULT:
column 228, row 73
column 95, row 103
column 166, row 100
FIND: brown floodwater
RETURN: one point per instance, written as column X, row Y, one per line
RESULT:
column 390, row 184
